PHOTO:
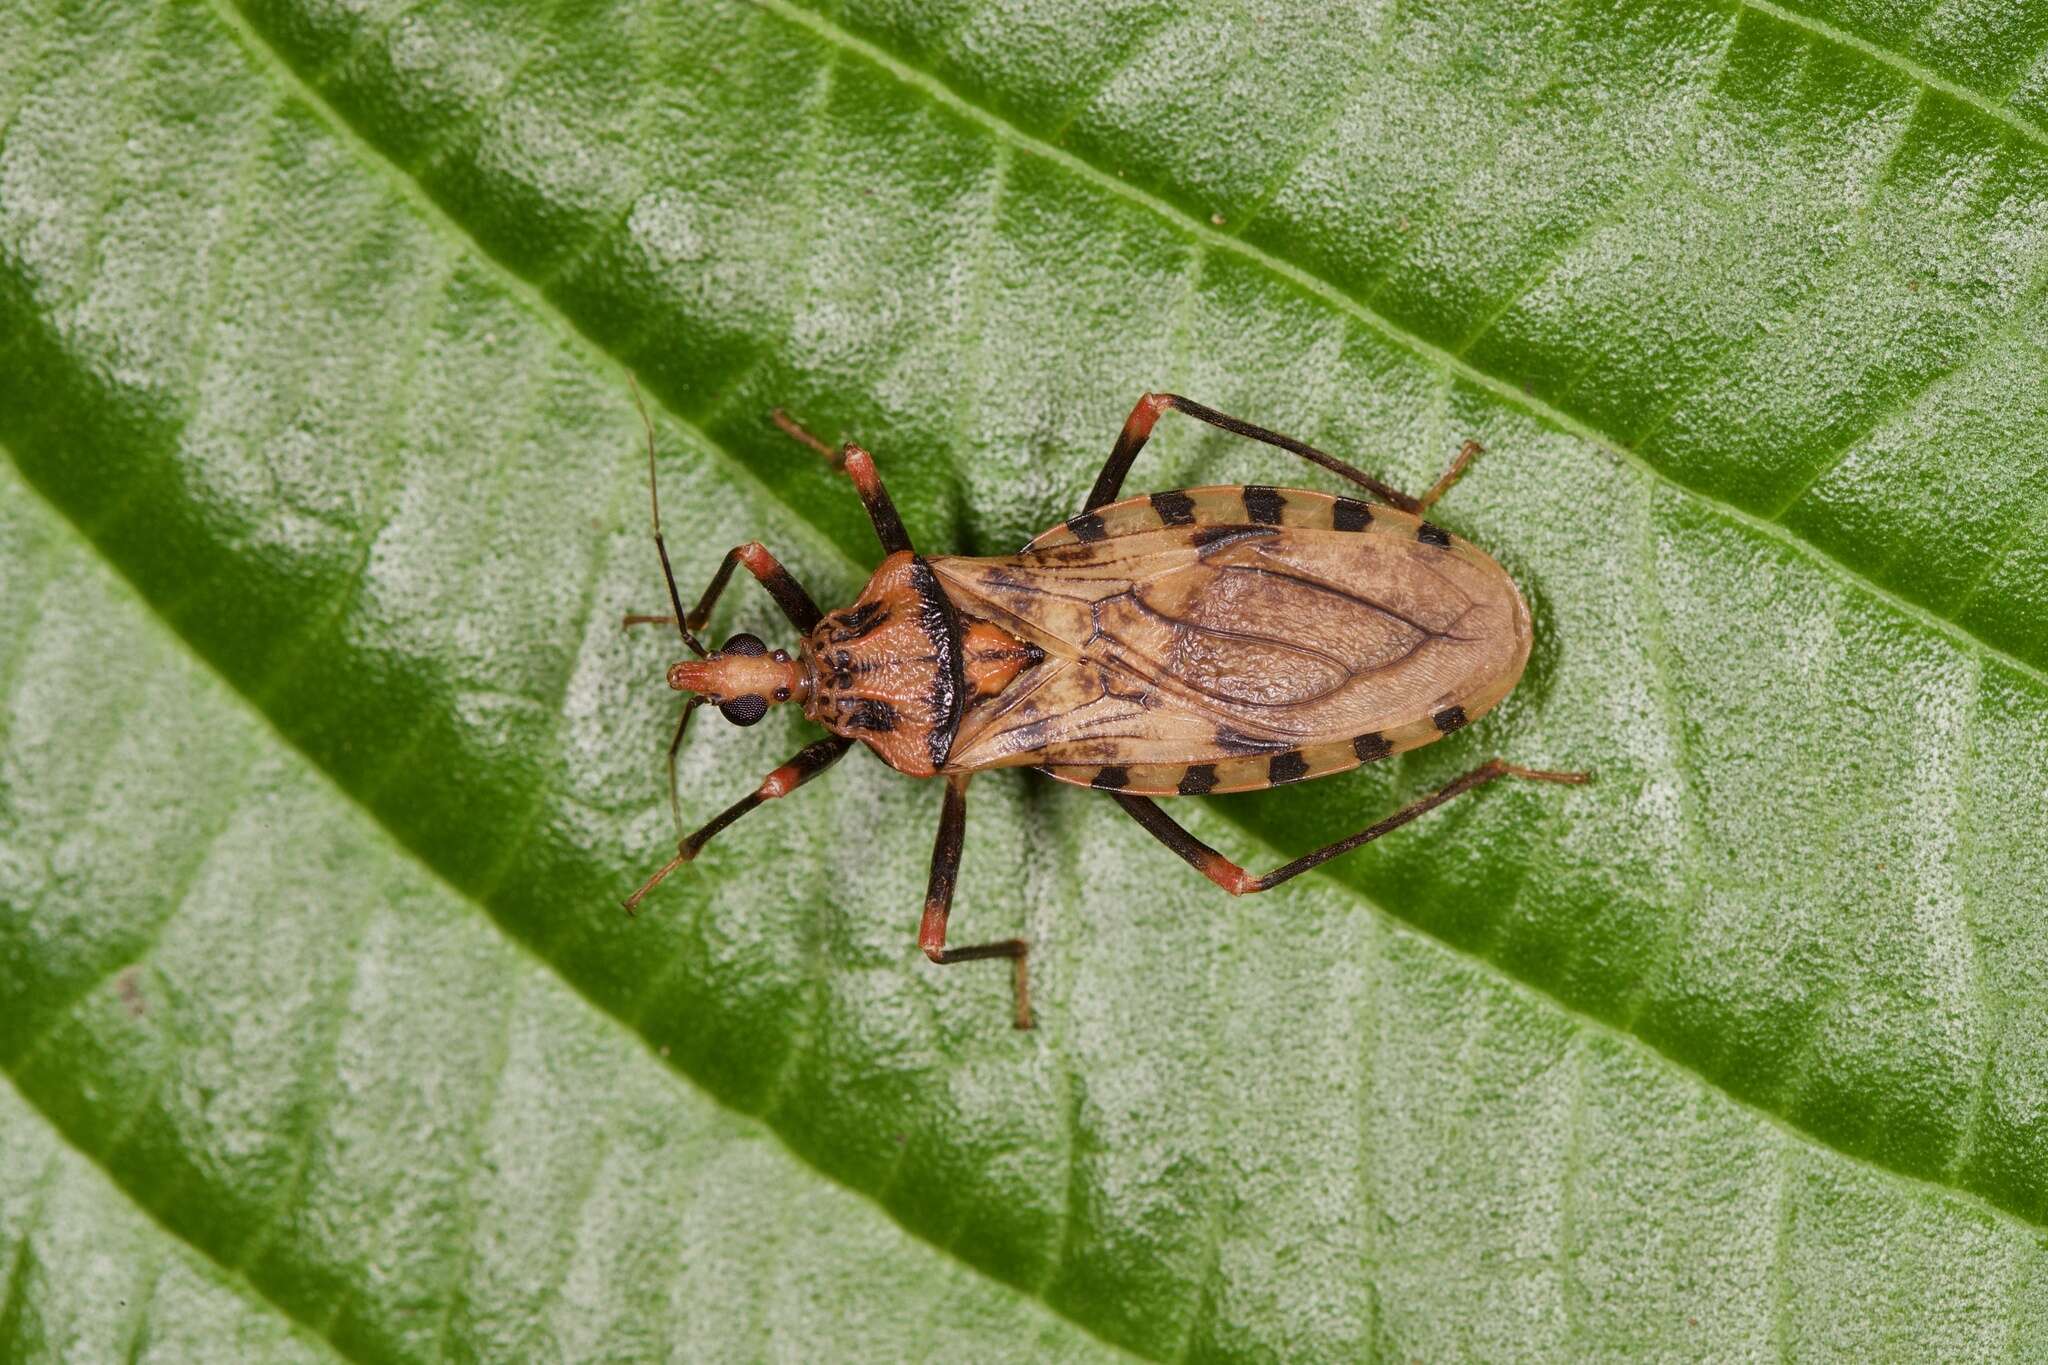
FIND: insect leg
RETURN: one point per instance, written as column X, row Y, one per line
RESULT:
column 1238, row 882
column 938, row 902
column 867, row 481
column 796, row 604
column 808, row 763
column 789, row 594
column 675, row 800
column 1138, row 428
column 1451, row 474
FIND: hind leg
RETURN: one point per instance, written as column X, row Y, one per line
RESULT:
column 1239, row 882
column 1138, row 429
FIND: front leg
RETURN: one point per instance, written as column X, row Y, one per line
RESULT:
column 938, row 901
column 867, row 481
column 811, row 760
column 789, row 594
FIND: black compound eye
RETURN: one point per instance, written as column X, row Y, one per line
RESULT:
column 745, row 710
column 748, row 645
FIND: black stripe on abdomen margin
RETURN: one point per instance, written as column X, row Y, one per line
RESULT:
column 941, row 624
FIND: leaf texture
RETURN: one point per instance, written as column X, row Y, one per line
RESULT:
column 313, row 320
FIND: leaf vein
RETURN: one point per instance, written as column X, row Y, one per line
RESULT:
column 2013, row 327
column 1906, row 66
column 465, row 1244
column 1660, row 178
column 16, row 1060
column 1662, row 661
column 2025, row 527
column 1481, row 159
column 15, row 1293
column 1311, row 139
column 322, row 1087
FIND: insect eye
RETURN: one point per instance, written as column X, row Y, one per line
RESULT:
column 745, row 709
column 746, row 644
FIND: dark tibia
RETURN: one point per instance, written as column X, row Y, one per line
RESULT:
column 867, row 481
column 811, row 760
column 938, row 902
column 789, row 594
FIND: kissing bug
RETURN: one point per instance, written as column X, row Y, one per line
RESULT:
column 1194, row 641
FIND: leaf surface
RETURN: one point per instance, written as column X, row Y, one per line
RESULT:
column 315, row 808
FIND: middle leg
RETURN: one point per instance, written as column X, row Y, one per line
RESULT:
column 938, row 902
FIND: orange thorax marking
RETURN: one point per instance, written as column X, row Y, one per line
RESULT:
column 994, row 658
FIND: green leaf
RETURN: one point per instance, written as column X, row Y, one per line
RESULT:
column 278, row 1092
column 324, row 762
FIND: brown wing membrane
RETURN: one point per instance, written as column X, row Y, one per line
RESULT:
column 1254, row 653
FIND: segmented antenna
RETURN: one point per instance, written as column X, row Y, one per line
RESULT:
column 675, row 598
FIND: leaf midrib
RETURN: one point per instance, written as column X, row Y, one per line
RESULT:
column 296, row 87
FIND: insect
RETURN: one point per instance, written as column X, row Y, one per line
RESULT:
column 1193, row 641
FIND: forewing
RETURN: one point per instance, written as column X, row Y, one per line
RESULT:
column 1172, row 646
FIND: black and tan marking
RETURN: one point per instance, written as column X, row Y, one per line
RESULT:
column 858, row 621
column 1242, row 506
column 1286, row 767
column 1351, row 515
column 993, row 659
column 1174, row 507
column 1371, row 746
column 1086, row 527
column 1224, row 776
column 1262, row 505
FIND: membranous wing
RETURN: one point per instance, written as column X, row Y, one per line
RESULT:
column 1185, row 645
